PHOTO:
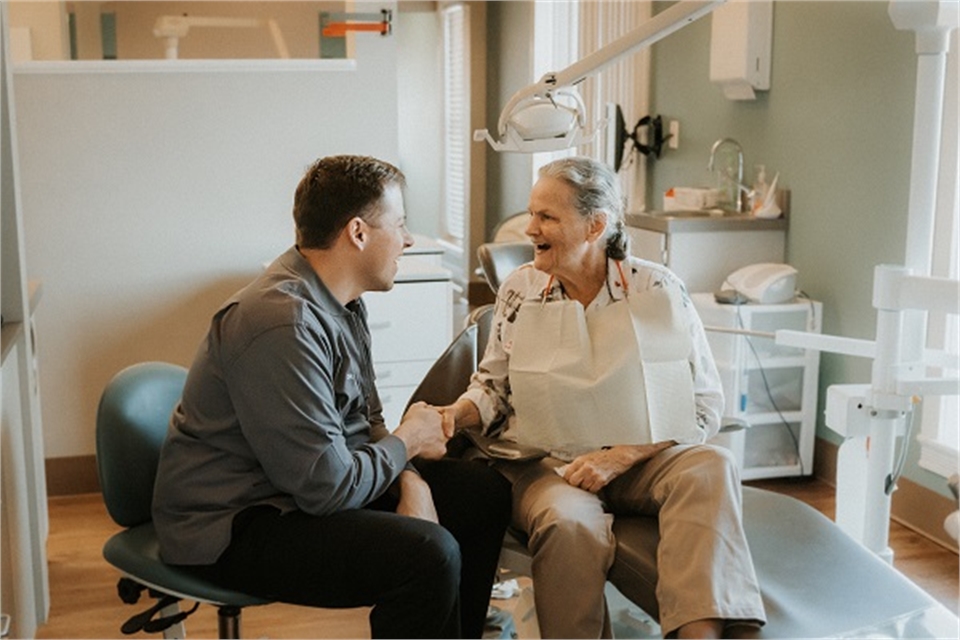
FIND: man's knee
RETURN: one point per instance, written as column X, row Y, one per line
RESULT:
column 435, row 555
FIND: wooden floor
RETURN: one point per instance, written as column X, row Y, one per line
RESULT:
column 84, row 603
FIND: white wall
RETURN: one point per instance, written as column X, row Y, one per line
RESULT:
column 149, row 198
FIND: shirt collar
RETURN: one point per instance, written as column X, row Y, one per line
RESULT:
column 293, row 261
column 612, row 292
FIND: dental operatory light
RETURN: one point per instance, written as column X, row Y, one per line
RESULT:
column 549, row 115
column 172, row 28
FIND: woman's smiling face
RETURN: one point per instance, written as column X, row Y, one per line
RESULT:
column 561, row 236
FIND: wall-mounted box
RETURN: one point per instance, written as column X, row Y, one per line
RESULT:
column 741, row 42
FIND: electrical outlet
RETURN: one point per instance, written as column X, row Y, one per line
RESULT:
column 674, row 141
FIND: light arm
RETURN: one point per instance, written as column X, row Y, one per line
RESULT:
column 540, row 95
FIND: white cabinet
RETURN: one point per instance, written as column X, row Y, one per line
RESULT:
column 410, row 326
column 771, row 387
column 24, row 588
column 703, row 249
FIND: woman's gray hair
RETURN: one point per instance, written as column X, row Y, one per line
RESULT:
column 596, row 191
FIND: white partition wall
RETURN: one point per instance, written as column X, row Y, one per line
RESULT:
column 152, row 190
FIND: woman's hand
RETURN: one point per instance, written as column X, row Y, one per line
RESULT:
column 459, row 415
column 416, row 500
column 595, row 470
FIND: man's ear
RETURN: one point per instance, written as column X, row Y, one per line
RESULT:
column 357, row 233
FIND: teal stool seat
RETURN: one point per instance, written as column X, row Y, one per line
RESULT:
column 136, row 552
column 132, row 422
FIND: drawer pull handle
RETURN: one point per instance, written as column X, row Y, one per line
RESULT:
column 384, row 374
column 376, row 326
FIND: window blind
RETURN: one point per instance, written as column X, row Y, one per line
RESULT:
column 456, row 119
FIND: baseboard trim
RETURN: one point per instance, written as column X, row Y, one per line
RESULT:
column 914, row 506
column 71, row 475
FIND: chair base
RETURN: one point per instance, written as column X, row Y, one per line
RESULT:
column 136, row 553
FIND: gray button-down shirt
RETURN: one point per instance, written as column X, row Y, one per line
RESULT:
column 279, row 408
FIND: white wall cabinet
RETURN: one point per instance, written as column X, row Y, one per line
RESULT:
column 410, row 326
column 24, row 589
column 771, row 387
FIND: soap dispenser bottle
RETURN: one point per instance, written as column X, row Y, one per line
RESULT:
column 759, row 188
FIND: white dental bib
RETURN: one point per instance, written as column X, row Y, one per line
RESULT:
column 618, row 375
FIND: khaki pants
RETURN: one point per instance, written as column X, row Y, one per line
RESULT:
column 704, row 564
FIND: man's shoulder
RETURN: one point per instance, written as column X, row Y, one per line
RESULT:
column 273, row 302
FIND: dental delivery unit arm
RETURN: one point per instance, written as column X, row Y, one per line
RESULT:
column 872, row 417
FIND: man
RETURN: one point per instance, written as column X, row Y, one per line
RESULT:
column 278, row 476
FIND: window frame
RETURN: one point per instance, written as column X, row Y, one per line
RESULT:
column 938, row 436
column 455, row 216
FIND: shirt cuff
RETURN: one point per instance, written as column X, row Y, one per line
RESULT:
column 396, row 451
column 485, row 407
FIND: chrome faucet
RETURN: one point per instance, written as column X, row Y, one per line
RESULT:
column 733, row 187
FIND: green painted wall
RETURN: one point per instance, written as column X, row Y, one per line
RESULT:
column 837, row 124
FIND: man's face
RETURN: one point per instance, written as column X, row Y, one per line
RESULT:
column 388, row 237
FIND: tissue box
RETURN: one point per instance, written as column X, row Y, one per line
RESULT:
column 690, row 198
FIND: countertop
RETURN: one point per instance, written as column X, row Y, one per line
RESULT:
column 701, row 221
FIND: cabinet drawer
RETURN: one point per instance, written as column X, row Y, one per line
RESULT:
column 399, row 374
column 394, row 401
column 413, row 321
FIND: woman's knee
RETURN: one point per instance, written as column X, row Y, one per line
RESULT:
column 570, row 528
column 709, row 470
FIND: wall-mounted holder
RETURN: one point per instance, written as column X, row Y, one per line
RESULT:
column 655, row 137
column 340, row 23
column 741, row 41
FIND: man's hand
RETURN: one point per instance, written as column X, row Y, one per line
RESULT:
column 448, row 418
column 416, row 500
column 422, row 431
column 595, row 470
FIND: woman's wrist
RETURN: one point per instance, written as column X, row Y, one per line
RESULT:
column 465, row 414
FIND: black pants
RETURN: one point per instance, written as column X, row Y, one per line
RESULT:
column 422, row 580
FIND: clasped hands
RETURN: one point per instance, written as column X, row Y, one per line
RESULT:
column 425, row 429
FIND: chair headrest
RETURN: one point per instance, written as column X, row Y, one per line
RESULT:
column 500, row 259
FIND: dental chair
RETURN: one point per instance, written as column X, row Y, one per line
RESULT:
column 131, row 425
column 816, row 581
column 500, row 259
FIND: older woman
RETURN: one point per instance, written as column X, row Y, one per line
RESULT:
column 600, row 358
